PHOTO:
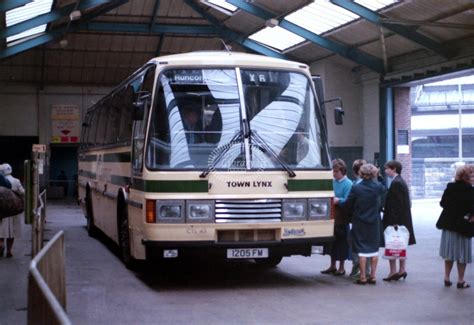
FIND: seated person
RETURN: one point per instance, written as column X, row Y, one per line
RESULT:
column 192, row 125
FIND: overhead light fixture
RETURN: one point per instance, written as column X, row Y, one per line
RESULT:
column 272, row 22
column 75, row 15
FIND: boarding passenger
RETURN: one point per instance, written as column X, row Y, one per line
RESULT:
column 355, row 257
column 340, row 247
column 397, row 212
column 365, row 204
column 457, row 222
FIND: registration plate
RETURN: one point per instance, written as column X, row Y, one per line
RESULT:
column 247, row 253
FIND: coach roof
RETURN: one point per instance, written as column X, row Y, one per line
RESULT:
column 213, row 58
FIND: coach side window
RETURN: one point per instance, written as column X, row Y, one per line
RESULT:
column 113, row 120
column 125, row 106
column 102, row 125
column 94, row 121
column 86, row 127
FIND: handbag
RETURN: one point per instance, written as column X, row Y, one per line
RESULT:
column 396, row 242
column 465, row 227
column 11, row 203
column 443, row 220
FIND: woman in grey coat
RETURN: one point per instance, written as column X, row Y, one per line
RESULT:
column 364, row 204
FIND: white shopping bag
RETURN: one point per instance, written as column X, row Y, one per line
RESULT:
column 396, row 242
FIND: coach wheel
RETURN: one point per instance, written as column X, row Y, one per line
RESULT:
column 124, row 239
column 91, row 228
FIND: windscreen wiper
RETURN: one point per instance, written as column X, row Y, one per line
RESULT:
column 265, row 148
column 225, row 148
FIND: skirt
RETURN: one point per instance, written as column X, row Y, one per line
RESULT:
column 340, row 246
column 11, row 227
column 455, row 247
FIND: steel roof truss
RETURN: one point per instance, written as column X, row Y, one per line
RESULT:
column 145, row 28
column 49, row 17
column 229, row 34
column 12, row 4
column 155, row 12
column 408, row 33
column 55, row 34
column 352, row 54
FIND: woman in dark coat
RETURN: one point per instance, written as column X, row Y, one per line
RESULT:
column 397, row 211
column 457, row 203
column 365, row 203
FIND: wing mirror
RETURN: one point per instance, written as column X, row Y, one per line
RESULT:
column 141, row 105
column 338, row 110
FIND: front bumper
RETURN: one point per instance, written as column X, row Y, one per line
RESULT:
column 286, row 247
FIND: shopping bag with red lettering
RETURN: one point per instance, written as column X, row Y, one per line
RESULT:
column 396, row 242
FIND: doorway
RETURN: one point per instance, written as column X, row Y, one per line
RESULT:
column 15, row 150
column 63, row 171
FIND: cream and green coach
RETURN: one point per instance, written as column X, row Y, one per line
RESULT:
column 209, row 153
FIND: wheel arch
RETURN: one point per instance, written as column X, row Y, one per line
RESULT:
column 121, row 212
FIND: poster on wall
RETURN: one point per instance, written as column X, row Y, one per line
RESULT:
column 65, row 122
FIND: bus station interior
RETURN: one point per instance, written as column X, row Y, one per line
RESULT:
column 404, row 70
column 378, row 76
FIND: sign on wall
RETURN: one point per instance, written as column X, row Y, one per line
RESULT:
column 65, row 123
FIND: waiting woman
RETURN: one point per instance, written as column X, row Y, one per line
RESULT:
column 340, row 248
column 10, row 228
column 458, row 204
column 397, row 212
column 365, row 204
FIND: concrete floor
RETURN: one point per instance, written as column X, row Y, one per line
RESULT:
column 100, row 290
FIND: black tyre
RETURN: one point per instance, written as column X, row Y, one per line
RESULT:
column 91, row 228
column 124, row 238
column 269, row 262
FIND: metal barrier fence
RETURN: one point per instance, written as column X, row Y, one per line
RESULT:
column 47, row 284
column 38, row 224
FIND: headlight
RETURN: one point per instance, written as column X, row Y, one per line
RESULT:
column 294, row 210
column 319, row 209
column 170, row 211
column 199, row 211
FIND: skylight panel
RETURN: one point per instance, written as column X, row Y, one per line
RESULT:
column 26, row 12
column 375, row 4
column 276, row 37
column 321, row 16
column 221, row 5
column 27, row 33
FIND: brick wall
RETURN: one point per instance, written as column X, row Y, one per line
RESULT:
column 430, row 176
column 403, row 122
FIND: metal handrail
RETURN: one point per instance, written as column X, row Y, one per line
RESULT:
column 39, row 217
column 44, row 305
column 41, row 201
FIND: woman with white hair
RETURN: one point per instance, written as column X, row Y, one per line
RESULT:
column 10, row 228
column 365, row 203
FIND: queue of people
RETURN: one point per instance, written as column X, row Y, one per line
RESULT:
column 359, row 226
column 371, row 204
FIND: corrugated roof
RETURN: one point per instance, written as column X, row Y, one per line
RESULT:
column 116, row 37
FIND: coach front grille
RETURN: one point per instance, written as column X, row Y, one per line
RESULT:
column 248, row 211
